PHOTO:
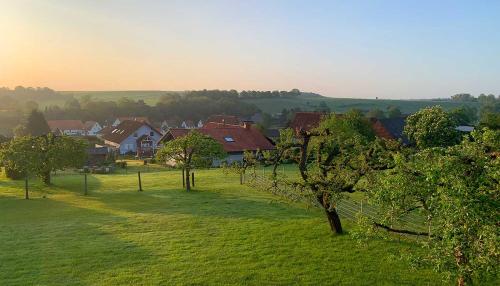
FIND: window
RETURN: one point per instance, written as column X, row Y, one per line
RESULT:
column 151, row 133
column 229, row 139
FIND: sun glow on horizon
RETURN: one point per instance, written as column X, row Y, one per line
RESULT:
column 388, row 50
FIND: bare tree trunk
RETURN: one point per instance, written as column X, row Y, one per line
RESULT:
column 188, row 181
column 334, row 220
column 46, row 178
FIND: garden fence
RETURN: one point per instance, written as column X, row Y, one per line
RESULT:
column 349, row 207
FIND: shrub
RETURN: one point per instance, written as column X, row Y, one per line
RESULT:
column 14, row 174
column 121, row 164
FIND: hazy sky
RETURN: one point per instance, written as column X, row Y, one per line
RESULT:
column 389, row 49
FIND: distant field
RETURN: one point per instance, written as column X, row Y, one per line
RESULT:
column 221, row 233
column 275, row 105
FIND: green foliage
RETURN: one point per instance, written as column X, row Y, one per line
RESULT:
column 191, row 151
column 456, row 190
column 393, row 112
column 463, row 97
column 464, row 115
column 375, row 113
column 42, row 155
column 432, row 127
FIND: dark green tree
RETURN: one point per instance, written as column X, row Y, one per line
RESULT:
column 393, row 112
column 375, row 113
column 36, row 125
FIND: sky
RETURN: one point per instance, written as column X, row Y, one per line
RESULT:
column 364, row 49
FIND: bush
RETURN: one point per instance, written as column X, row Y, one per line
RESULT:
column 14, row 174
column 121, row 164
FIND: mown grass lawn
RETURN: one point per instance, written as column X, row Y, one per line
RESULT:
column 220, row 233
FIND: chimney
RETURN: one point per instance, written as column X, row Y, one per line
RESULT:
column 247, row 125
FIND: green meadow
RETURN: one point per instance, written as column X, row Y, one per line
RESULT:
column 221, row 233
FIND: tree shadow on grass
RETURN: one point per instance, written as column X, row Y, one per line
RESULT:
column 204, row 204
column 52, row 242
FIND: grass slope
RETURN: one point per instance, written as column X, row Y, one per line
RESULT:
column 221, row 233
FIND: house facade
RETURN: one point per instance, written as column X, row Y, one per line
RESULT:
column 133, row 137
column 67, row 127
column 92, row 128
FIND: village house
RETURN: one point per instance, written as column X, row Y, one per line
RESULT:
column 226, row 119
column 133, row 137
column 189, row 124
column 131, row 118
column 67, row 127
column 235, row 139
column 92, row 128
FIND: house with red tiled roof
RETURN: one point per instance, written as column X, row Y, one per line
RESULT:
column 132, row 137
column 390, row 128
column 67, row 127
column 235, row 139
column 306, row 120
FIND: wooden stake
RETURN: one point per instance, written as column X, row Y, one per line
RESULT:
column 192, row 179
column 140, row 182
column 183, row 179
column 86, row 186
column 26, row 196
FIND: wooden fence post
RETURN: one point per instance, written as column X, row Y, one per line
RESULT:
column 183, row 179
column 26, row 195
column 140, row 183
column 192, row 179
column 86, row 186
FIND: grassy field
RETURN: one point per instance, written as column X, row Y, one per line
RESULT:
column 220, row 233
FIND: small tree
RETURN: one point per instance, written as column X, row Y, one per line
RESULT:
column 44, row 154
column 432, row 127
column 191, row 151
column 283, row 151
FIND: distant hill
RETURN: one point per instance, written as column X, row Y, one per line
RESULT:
column 306, row 101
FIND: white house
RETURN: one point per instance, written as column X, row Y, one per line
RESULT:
column 92, row 128
column 133, row 137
